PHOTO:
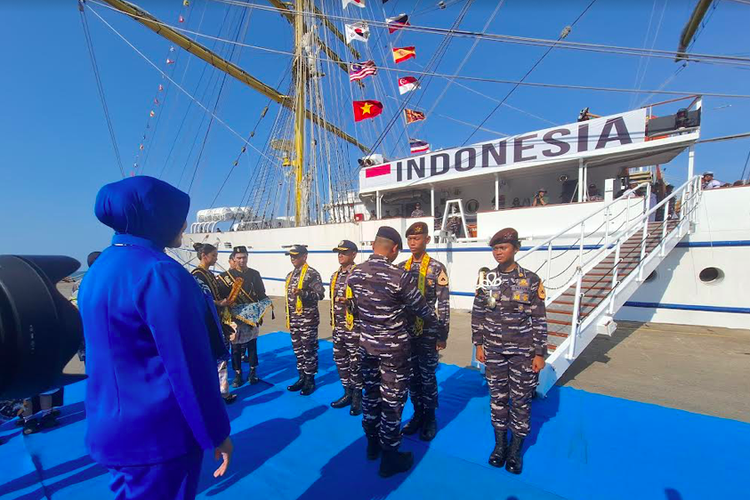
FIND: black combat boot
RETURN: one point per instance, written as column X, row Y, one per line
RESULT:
column 429, row 426
column 237, row 379
column 497, row 457
column 393, row 462
column 373, row 447
column 415, row 423
column 298, row 384
column 344, row 400
column 356, row 408
column 253, row 377
column 514, row 459
column 309, row 386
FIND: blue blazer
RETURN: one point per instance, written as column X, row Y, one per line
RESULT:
column 153, row 389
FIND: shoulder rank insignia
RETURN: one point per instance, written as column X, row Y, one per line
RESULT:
column 442, row 279
column 541, row 292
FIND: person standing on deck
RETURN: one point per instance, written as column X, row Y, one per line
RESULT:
column 345, row 336
column 207, row 257
column 247, row 316
column 303, row 290
column 152, row 396
column 417, row 212
column 509, row 330
column 381, row 293
column 432, row 282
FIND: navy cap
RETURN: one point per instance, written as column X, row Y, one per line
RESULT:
column 297, row 250
column 239, row 249
column 345, row 246
column 389, row 233
column 417, row 228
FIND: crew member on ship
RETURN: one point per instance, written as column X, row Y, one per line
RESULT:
column 432, row 281
column 303, row 290
column 509, row 330
column 247, row 307
column 152, row 396
column 345, row 335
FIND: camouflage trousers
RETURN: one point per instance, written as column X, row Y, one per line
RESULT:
column 305, row 345
column 385, row 378
column 511, row 381
column 423, row 389
column 346, row 357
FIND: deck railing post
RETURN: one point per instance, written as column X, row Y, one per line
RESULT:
column 570, row 354
column 614, row 277
column 645, row 231
column 549, row 262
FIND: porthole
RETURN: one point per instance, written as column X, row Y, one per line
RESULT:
column 651, row 277
column 472, row 206
column 711, row 275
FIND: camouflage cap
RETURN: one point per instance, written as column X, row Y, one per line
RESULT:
column 507, row 235
column 417, row 228
column 389, row 233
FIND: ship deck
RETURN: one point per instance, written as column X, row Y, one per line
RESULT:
column 583, row 446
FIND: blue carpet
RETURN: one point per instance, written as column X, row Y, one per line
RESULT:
column 583, row 446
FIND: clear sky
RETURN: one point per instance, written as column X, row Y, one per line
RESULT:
column 55, row 151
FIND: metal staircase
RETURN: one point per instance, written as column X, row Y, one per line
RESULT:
column 598, row 269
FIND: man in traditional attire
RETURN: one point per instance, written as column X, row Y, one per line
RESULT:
column 248, row 304
column 152, row 397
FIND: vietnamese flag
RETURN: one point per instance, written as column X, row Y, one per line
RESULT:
column 366, row 109
column 401, row 54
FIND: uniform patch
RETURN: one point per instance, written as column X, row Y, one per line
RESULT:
column 442, row 279
column 524, row 282
column 542, row 293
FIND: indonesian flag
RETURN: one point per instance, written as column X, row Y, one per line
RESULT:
column 418, row 146
column 170, row 61
column 357, row 31
column 181, row 19
column 398, row 22
column 161, row 87
column 152, row 114
column 140, row 147
column 401, row 54
column 407, row 84
column 413, row 115
column 366, row 109
column 358, row 3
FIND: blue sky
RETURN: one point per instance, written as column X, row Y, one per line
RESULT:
column 56, row 152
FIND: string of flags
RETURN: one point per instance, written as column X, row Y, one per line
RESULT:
column 358, row 71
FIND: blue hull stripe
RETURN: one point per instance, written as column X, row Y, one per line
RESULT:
column 689, row 307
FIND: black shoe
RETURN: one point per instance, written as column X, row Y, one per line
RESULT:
column 393, row 462
column 30, row 426
column 514, row 459
column 229, row 398
column 356, row 408
column 298, row 384
column 344, row 400
column 429, row 426
column 237, row 379
column 373, row 447
column 253, row 377
column 415, row 423
column 497, row 457
column 309, row 386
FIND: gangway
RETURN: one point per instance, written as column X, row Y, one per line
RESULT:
column 604, row 258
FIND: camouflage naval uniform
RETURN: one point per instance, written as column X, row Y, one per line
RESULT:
column 423, row 388
column 304, row 326
column 381, row 295
column 345, row 340
column 511, row 334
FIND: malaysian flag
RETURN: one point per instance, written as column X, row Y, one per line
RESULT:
column 358, row 71
column 398, row 22
column 418, row 146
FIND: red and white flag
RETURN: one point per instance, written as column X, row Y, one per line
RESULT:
column 181, row 19
column 156, row 101
column 407, row 84
column 152, row 114
column 170, row 61
column 161, row 87
column 358, row 3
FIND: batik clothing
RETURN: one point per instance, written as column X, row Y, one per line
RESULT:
column 303, row 317
column 345, row 336
column 252, row 292
column 511, row 331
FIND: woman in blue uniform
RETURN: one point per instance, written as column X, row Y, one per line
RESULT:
column 153, row 404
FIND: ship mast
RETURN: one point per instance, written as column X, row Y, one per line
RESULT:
column 301, row 73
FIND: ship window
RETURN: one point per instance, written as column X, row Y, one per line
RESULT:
column 651, row 277
column 711, row 275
